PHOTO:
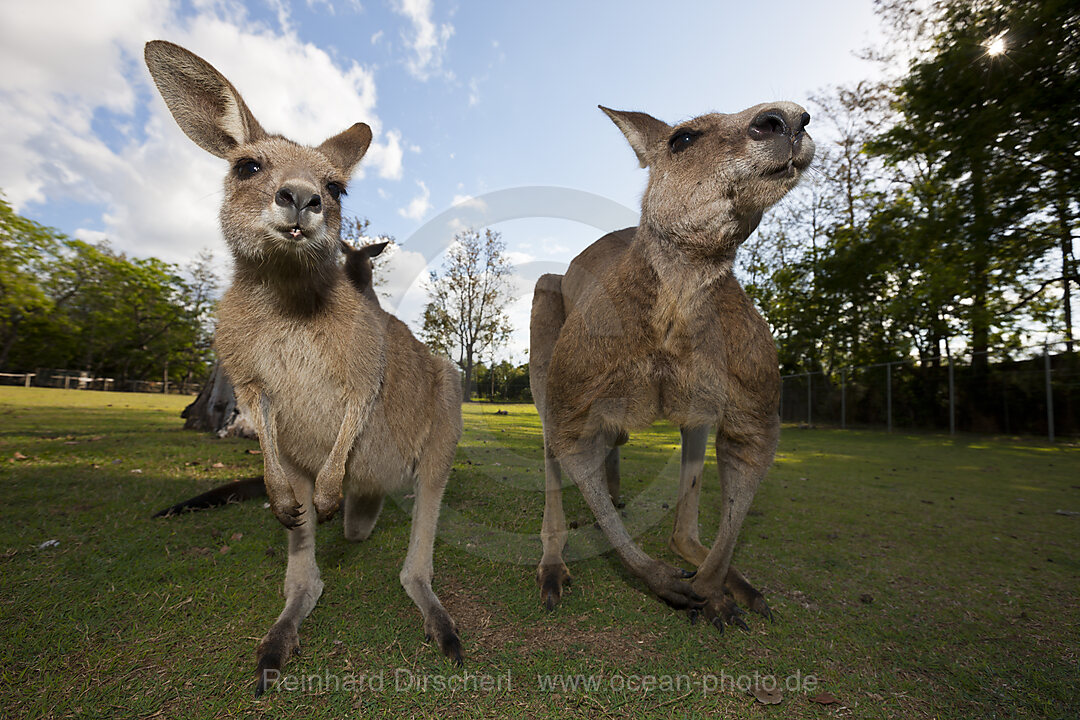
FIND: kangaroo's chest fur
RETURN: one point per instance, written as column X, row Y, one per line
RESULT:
column 311, row 366
column 691, row 349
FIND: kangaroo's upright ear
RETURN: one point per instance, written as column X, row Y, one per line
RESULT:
column 375, row 249
column 205, row 105
column 644, row 132
column 345, row 149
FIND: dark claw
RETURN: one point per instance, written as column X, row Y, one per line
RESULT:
column 738, row 621
column 687, row 574
column 693, row 614
column 718, row 624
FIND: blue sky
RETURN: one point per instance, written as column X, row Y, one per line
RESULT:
column 466, row 99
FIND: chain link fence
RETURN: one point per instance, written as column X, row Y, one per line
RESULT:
column 1036, row 395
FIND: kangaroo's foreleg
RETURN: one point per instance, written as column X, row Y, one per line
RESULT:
column 552, row 574
column 303, row 586
column 332, row 472
column 417, row 571
column 742, row 462
column 278, row 488
column 585, row 467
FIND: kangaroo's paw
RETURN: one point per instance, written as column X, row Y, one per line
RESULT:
column 273, row 652
column 671, row 585
column 551, row 579
column 288, row 512
column 441, row 628
column 326, row 506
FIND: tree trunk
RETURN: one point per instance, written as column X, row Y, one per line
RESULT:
column 1067, row 265
column 980, row 248
column 215, row 409
column 468, row 376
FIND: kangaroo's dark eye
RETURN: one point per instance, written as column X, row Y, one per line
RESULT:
column 247, row 167
column 682, row 140
column 335, row 189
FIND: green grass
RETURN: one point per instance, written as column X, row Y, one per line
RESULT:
column 911, row 575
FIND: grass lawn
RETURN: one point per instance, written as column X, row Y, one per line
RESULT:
column 911, row 576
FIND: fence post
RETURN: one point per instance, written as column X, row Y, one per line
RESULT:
column 843, row 398
column 952, row 400
column 1049, row 396
column 888, row 394
column 809, row 400
column 783, row 382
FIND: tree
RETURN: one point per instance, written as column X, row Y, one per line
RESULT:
column 465, row 315
column 66, row 303
column 996, row 124
column 26, row 251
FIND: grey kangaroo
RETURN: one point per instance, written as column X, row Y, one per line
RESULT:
column 649, row 322
column 345, row 399
column 360, row 272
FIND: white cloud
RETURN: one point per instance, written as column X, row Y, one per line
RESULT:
column 376, row 37
column 428, row 40
column 402, row 271
column 516, row 257
column 80, row 66
column 419, row 205
column 386, row 156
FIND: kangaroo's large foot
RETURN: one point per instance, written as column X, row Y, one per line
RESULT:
column 439, row 626
column 280, row 644
column 722, row 607
column 720, row 611
column 736, row 585
column 551, row 579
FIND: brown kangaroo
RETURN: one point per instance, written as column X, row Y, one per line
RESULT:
column 649, row 322
column 344, row 397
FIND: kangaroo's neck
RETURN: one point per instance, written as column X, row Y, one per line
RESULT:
column 294, row 291
column 686, row 270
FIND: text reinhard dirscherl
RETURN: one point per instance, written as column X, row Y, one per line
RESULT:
column 404, row 680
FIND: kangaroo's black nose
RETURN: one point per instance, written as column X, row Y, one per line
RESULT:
column 768, row 124
column 298, row 198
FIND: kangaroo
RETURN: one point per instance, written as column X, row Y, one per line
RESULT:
column 359, row 270
column 650, row 322
column 345, row 399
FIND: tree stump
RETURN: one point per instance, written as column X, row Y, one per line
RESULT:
column 215, row 409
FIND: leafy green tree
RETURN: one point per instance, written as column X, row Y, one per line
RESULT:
column 66, row 303
column 26, row 251
column 465, row 315
column 968, row 115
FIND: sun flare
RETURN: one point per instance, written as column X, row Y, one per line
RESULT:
column 996, row 46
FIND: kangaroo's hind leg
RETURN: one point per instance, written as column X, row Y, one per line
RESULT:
column 685, row 539
column 361, row 513
column 552, row 574
column 432, row 474
column 303, row 586
column 742, row 459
